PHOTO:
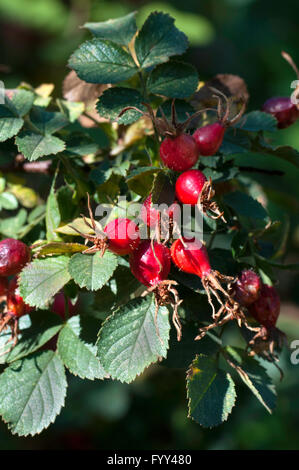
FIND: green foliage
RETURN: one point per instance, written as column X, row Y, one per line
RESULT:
column 158, row 40
column 211, row 392
column 94, row 145
column 128, row 341
column 120, row 30
column 92, row 271
column 42, row 279
column 254, row 376
column 77, row 355
column 173, row 79
column 32, row 393
column 102, row 61
column 114, row 100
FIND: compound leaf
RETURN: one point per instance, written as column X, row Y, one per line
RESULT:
column 128, row 341
column 32, row 393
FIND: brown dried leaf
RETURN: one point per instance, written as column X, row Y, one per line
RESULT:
column 74, row 89
column 231, row 85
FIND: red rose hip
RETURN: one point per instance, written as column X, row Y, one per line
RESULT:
column 150, row 263
column 209, row 138
column 149, row 214
column 267, row 308
column 3, row 285
column 179, row 153
column 58, row 305
column 15, row 303
column 191, row 256
column 189, row 186
column 13, row 256
column 247, row 287
column 123, row 236
column 283, row 110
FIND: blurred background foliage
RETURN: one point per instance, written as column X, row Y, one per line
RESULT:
column 244, row 37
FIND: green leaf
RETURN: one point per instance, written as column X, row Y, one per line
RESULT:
column 52, row 215
column 77, row 355
column 235, row 142
column 102, row 61
column 10, row 123
column 284, row 152
column 72, row 110
column 128, row 341
column 119, row 30
column 257, row 121
column 42, row 327
column 80, row 144
column 8, row 201
column 92, row 271
column 33, row 146
column 245, row 205
column 12, row 112
column 77, row 223
column 22, row 100
column 12, row 226
column 40, row 280
column 141, row 179
column 211, row 392
column 253, row 375
column 32, row 393
column 47, row 122
column 59, row 248
column 114, row 100
column 173, row 79
column 158, row 40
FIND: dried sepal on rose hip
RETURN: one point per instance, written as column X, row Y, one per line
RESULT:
column 14, row 310
column 191, row 256
column 121, row 235
column 150, row 263
column 209, row 138
column 192, row 187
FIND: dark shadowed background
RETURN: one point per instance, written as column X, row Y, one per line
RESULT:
column 243, row 37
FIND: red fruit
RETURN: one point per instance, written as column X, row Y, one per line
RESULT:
column 15, row 303
column 59, row 305
column 123, row 236
column 179, row 153
column 267, row 308
column 283, row 110
column 148, row 266
column 13, row 256
column 189, row 186
column 191, row 257
column 209, row 138
column 247, row 287
column 149, row 214
column 3, row 285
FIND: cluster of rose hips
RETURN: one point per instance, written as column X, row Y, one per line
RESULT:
column 150, row 260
